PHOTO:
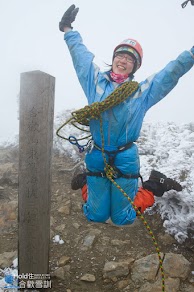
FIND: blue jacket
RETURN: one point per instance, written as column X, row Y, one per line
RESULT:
column 121, row 124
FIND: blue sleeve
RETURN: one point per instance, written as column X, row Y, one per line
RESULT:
column 85, row 69
column 160, row 84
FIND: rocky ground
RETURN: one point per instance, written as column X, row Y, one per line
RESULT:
column 94, row 257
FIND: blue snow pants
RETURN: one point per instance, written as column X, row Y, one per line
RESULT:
column 105, row 200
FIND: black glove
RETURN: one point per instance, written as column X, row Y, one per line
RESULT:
column 68, row 17
column 184, row 4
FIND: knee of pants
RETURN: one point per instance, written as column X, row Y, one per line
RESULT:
column 122, row 212
column 100, row 216
column 125, row 217
column 97, row 207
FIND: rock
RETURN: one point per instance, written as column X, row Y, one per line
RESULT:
column 59, row 273
column 95, row 232
column 76, row 225
column 105, row 240
column 61, row 228
column 171, row 285
column 117, row 242
column 89, row 240
column 114, row 279
column 63, row 261
column 8, row 211
column 56, row 193
column 12, row 216
column 187, row 288
column 66, row 209
column 7, row 258
column 122, row 284
column 66, row 268
column 166, row 239
column 88, row 278
column 60, row 198
column 8, row 207
column 145, row 269
column 115, row 269
column 176, row 266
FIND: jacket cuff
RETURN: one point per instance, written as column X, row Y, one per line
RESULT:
column 192, row 51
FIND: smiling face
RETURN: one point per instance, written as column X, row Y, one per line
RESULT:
column 122, row 64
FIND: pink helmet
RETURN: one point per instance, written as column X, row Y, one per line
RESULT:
column 133, row 48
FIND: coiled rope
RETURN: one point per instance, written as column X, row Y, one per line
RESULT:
column 94, row 111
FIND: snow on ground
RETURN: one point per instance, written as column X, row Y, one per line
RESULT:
column 168, row 148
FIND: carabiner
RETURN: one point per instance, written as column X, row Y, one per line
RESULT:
column 73, row 140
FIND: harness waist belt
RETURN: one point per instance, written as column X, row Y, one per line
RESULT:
column 103, row 174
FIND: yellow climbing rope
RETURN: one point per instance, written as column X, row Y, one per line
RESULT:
column 109, row 170
column 94, row 111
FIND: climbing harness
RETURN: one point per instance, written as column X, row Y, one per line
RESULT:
column 184, row 4
column 94, row 111
column 111, row 157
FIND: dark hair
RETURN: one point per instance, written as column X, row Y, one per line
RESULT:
column 108, row 65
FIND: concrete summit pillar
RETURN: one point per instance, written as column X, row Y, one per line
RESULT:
column 35, row 152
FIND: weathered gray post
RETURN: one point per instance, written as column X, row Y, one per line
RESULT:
column 35, row 152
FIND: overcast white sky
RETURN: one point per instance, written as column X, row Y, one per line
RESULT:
column 31, row 40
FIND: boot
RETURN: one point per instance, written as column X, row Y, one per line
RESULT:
column 78, row 181
column 159, row 183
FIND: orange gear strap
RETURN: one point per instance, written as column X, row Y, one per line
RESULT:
column 143, row 199
column 85, row 193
